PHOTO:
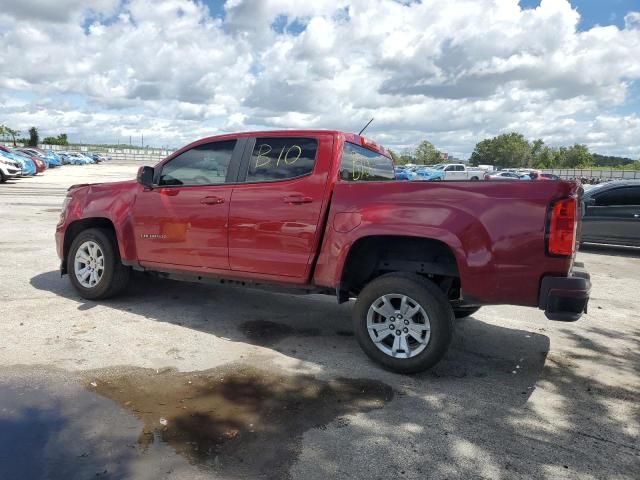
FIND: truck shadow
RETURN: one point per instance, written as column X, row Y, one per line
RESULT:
column 314, row 328
column 473, row 415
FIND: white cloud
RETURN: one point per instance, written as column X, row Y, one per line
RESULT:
column 452, row 72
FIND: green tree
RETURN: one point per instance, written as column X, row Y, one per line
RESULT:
column 577, row 156
column 544, row 158
column 59, row 140
column 507, row 151
column 426, row 153
column 13, row 133
column 33, row 137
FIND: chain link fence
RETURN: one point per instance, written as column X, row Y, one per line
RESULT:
column 612, row 174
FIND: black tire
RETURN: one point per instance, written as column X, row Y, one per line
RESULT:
column 115, row 276
column 429, row 297
column 462, row 312
column 474, row 179
column 3, row 177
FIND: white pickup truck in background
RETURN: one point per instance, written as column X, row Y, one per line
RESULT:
column 449, row 171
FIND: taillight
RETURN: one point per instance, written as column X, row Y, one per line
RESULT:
column 562, row 228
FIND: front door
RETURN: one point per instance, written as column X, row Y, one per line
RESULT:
column 183, row 220
column 275, row 212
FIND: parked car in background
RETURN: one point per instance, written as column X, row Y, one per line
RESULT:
column 36, row 153
column 428, row 174
column 27, row 166
column 54, row 159
column 506, row 175
column 611, row 214
column 75, row 158
column 39, row 163
column 8, row 168
column 450, row 171
column 98, row 157
column 404, row 173
column 549, row 176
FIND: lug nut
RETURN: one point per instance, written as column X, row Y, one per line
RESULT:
column 392, row 326
column 399, row 317
column 398, row 332
column 406, row 330
column 406, row 322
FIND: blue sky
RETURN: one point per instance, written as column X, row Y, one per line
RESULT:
column 596, row 12
column 451, row 72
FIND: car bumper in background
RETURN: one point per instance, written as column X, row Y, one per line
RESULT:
column 565, row 298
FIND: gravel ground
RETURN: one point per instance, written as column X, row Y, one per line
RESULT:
column 176, row 380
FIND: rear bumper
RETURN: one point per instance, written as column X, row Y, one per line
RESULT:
column 565, row 298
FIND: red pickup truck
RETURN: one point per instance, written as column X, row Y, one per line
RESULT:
column 320, row 211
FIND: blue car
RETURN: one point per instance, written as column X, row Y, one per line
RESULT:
column 404, row 174
column 26, row 164
column 34, row 153
column 53, row 157
column 77, row 159
column 429, row 174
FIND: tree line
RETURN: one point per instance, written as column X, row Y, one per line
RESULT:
column 513, row 150
column 34, row 137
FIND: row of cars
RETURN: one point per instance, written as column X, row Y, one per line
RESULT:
column 459, row 171
column 27, row 161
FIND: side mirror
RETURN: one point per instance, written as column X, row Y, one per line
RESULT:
column 145, row 176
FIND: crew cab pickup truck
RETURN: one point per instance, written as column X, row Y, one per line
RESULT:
column 320, row 211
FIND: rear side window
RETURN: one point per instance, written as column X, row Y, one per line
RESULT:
column 620, row 196
column 202, row 165
column 281, row 158
column 363, row 165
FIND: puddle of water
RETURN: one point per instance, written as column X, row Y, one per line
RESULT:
column 236, row 418
column 264, row 332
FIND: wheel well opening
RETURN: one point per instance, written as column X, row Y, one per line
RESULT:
column 78, row 226
column 371, row 257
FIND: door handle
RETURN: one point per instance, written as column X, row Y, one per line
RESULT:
column 212, row 201
column 297, row 199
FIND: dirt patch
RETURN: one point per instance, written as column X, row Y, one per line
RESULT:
column 236, row 419
column 266, row 333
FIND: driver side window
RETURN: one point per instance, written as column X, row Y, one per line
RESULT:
column 205, row 164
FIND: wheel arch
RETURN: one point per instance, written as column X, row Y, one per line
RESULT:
column 429, row 257
column 78, row 226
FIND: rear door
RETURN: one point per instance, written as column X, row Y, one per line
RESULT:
column 275, row 209
column 183, row 220
column 614, row 217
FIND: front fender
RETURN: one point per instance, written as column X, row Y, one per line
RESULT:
column 112, row 202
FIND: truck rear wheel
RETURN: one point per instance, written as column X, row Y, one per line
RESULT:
column 404, row 322
column 94, row 265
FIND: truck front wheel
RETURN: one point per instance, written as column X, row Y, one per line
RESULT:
column 404, row 322
column 94, row 265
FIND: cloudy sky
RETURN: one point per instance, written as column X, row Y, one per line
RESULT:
column 450, row 71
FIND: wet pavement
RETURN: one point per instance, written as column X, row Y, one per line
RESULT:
column 233, row 421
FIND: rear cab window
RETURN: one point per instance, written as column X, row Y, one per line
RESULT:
column 360, row 164
column 281, row 158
